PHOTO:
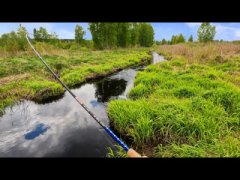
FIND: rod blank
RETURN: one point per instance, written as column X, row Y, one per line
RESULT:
column 110, row 133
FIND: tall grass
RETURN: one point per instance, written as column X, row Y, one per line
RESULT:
column 182, row 111
column 201, row 52
column 24, row 76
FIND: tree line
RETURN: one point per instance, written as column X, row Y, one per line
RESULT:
column 175, row 39
column 14, row 40
column 205, row 33
column 104, row 36
column 108, row 35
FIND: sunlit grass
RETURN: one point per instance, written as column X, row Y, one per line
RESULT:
column 183, row 110
column 24, row 76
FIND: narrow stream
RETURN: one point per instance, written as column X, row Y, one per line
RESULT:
column 61, row 128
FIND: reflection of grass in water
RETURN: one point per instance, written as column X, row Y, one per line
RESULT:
column 74, row 69
column 107, row 88
column 1, row 112
column 49, row 99
column 181, row 111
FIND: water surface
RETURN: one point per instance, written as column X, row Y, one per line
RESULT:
column 62, row 128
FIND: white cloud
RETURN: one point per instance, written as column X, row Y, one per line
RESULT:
column 193, row 25
column 226, row 32
column 31, row 26
column 65, row 34
column 237, row 33
column 8, row 27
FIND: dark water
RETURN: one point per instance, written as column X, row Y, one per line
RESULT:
column 62, row 128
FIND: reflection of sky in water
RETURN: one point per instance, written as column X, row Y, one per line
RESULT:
column 94, row 103
column 40, row 129
column 157, row 58
column 63, row 128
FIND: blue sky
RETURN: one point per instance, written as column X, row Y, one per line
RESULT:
column 225, row 31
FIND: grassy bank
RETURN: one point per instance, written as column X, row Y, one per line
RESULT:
column 186, row 107
column 23, row 76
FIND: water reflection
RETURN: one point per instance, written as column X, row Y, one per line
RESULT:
column 110, row 87
column 62, row 128
column 94, row 103
column 40, row 129
column 157, row 58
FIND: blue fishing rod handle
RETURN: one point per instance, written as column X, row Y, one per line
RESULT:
column 125, row 147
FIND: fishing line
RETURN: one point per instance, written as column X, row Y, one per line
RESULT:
column 110, row 133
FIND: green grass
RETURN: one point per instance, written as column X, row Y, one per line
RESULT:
column 34, row 88
column 181, row 111
column 26, row 77
column 118, row 153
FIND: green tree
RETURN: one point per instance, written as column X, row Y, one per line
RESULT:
column 21, row 34
column 173, row 40
column 53, row 35
column 190, row 39
column 134, row 33
column 123, row 34
column 177, row 39
column 164, row 41
column 146, row 35
column 21, row 31
column 79, row 34
column 9, row 41
column 94, row 28
column 15, row 41
column 109, row 35
column 104, row 35
column 158, row 42
column 42, row 35
column 180, row 38
column 206, row 32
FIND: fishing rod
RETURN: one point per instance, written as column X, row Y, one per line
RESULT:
column 130, row 151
